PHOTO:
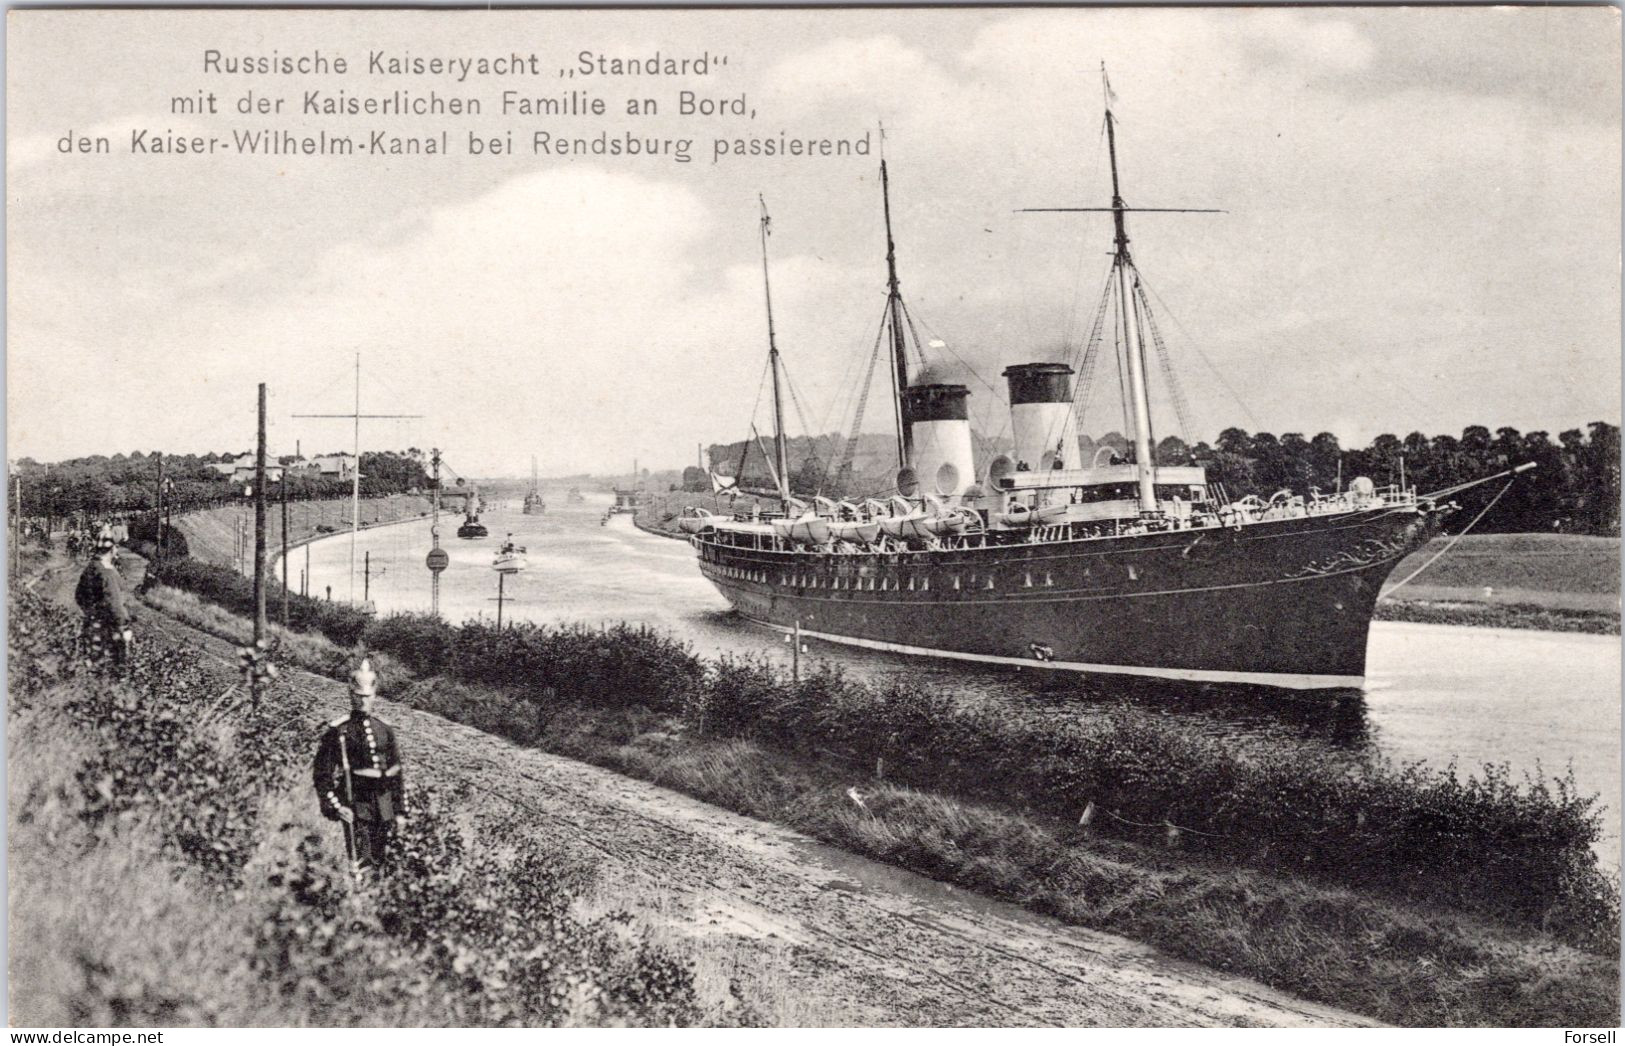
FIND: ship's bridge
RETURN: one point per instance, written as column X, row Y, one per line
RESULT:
column 1163, row 475
column 1109, row 492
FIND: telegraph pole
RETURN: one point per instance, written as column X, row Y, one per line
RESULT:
column 17, row 527
column 158, row 513
column 285, row 567
column 355, row 497
column 259, row 526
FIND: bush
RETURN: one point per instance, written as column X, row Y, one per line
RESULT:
column 464, row 931
column 422, row 642
column 340, row 622
column 1518, row 850
column 614, row 666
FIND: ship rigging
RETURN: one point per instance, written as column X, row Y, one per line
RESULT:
column 1138, row 567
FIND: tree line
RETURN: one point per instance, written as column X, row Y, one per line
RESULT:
column 99, row 486
column 1575, row 487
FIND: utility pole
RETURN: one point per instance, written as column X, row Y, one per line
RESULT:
column 17, row 526
column 158, row 514
column 259, row 526
column 366, row 578
column 355, row 496
column 284, row 547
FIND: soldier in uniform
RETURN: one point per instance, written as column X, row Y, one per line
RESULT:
column 100, row 595
column 358, row 774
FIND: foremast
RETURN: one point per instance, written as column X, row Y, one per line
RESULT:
column 780, row 452
column 894, row 313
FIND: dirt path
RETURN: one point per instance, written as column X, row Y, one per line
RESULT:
column 864, row 943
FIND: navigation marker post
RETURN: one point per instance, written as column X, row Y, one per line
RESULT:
column 438, row 559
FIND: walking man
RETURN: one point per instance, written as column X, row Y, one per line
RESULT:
column 358, row 775
column 100, row 595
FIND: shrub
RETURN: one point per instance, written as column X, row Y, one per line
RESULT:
column 422, row 642
column 614, row 666
column 1518, row 850
column 466, row 930
column 340, row 622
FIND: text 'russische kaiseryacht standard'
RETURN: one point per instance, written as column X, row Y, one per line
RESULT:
column 460, row 68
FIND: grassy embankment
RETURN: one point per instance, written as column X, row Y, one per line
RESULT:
column 1555, row 582
column 211, row 535
column 1415, row 896
column 166, row 868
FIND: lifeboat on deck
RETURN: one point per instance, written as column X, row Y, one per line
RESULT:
column 863, row 532
column 807, row 529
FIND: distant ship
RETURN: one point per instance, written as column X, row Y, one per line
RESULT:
column 510, row 558
column 1047, row 559
column 628, row 499
column 574, row 496
column 535, row 504
column 471, row 526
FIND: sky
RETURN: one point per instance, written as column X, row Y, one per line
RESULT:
column 1420, row 227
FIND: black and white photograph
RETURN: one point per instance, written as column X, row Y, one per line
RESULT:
column 803, row 517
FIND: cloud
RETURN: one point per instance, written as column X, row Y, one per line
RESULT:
column 1385, row 226
column 866, row 71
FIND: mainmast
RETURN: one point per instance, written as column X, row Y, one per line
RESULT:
column 1128, row 292
column 779, row 451
column 894, row 311
column 1145, row 464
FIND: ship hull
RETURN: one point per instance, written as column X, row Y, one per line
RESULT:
column 1282, row 603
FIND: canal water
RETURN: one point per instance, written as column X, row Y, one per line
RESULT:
column 1541, row 702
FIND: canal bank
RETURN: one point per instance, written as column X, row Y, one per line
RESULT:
column 1538, row 702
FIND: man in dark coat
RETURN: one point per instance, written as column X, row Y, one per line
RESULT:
column 100, row 595
column 358, row 774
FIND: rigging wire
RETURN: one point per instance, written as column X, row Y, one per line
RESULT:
column 1120, row 348
column 1070, row 333
column 1452, row 543
column 1175, row 392
column 998, row 397
column 857, row 420
column 1084, row 390
column 1194, row 344
column 1134, row 306
column 761, row 383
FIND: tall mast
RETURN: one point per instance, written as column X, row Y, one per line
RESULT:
column 773, row 362
column 1144, row 465
column 1127, row 280
column 894, row 309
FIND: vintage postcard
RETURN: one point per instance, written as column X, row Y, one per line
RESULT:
column 878, row 516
